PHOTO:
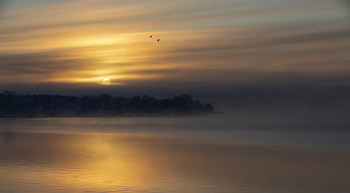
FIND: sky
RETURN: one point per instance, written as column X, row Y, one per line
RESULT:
column 207, row 48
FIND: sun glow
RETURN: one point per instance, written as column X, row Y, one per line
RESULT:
column 86, row 56
column 106, row 81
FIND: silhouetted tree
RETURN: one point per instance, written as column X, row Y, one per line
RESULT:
column 13, row 105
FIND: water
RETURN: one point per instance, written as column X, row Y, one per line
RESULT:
column 215, row 154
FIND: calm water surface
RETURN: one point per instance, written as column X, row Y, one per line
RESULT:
column 196, row 154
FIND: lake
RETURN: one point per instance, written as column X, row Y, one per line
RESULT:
column 211, row 154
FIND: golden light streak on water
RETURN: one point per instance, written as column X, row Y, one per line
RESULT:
column 143, row 155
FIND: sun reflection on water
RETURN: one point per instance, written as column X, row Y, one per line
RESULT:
column 141, row 162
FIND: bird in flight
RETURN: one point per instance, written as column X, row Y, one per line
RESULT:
column 158, row 39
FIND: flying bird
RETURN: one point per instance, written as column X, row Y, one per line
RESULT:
column 158, row 39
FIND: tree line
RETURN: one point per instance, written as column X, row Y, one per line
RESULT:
column 16, row 105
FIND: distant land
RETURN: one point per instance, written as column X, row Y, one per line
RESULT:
column 15, row 105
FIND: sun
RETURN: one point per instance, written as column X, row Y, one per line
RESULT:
column 106, row 81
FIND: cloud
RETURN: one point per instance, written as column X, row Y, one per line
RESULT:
column 151, row 15
column 316, row 37
column 2, row 7
column 3, row 3
column 207, row 47
column 235, row 87
column 346, row 2
column 210, row 57
column 40, row 67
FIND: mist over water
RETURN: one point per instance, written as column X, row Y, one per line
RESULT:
column 218, row 153
column 277, row 73
column 304, row 131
